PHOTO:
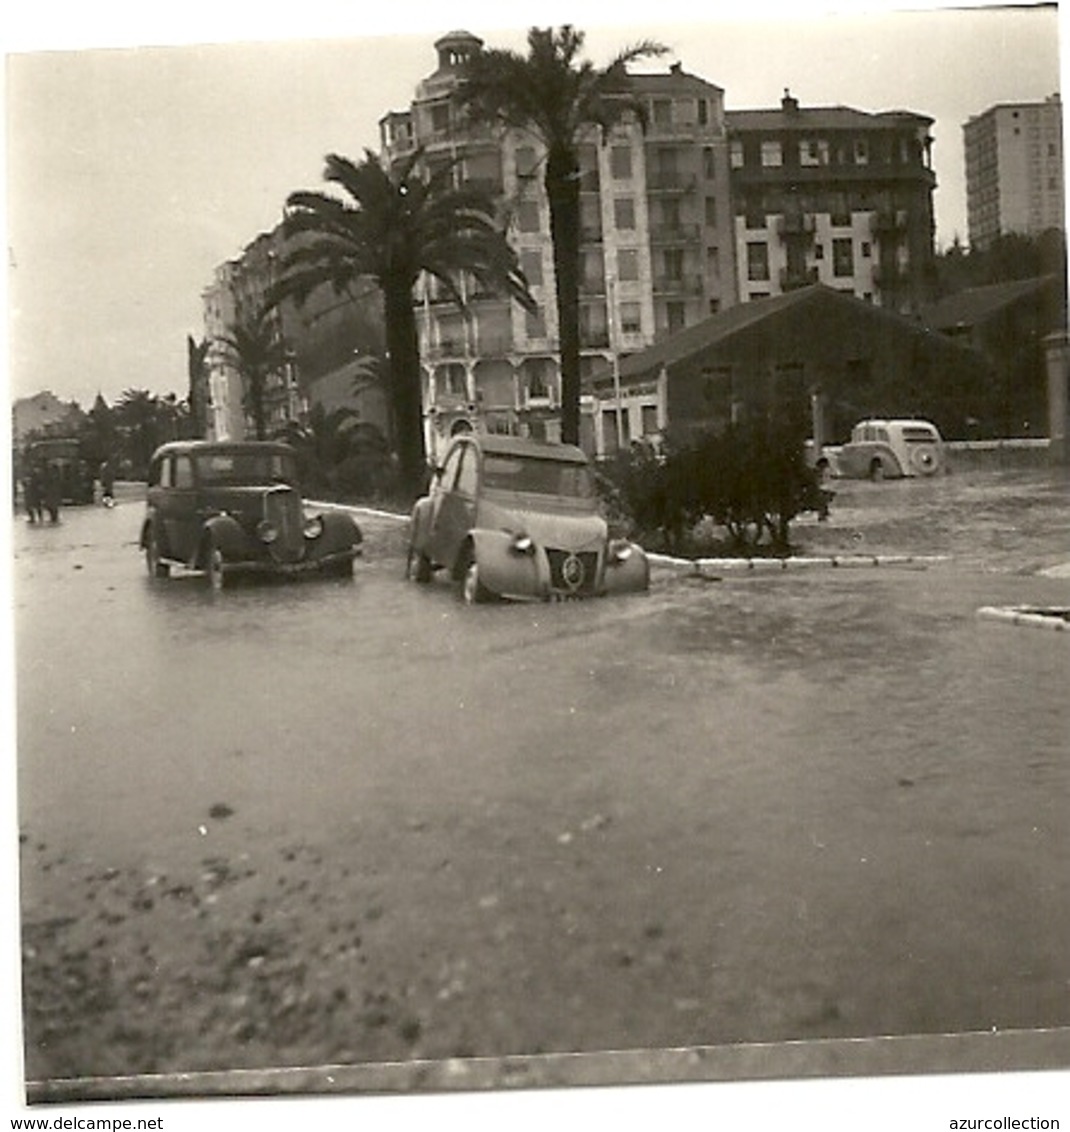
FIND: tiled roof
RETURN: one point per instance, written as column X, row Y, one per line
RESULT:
column 975, row 304
column 671, row 82
column 820, row 118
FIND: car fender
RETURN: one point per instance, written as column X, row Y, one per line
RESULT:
column 340, row 532
column 420, row 525
column 888, row 457
column 502, row 570
column 226, row 532
column 630, row 575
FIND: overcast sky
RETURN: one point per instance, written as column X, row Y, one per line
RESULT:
column 134, row 171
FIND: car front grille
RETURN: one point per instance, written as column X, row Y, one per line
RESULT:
column 573, row 572
column 282, row 507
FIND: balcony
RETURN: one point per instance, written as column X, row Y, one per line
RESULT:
column 797, row 224
column 670, row 181
column 594, row 339
column 445, row 348
column 674, row 233
column 668, row 285
column 593, row 286
column 791, row 279
column 890, row 222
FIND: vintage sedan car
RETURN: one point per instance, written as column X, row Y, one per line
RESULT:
column 231, row 507
column 879, row 449
column 513, row 518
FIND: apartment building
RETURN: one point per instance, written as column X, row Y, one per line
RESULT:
column 1014, row 170
column 236, row 296
column 833, row 195
column 657, row 250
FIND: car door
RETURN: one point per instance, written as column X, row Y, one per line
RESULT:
column 455, row 502
column 185, row 516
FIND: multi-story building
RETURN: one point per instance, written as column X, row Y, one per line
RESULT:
column 337, row 339
column 657, row 249
column 1014, row 170
column 836, row 196
column 236, row 297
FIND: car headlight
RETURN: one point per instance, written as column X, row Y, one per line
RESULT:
column 313, row 527
column 619, row 551
column 266, row 531
column 522, row 544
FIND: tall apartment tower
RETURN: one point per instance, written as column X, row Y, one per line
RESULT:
column 836, row 196
column 657, row 251
column 1014, row 170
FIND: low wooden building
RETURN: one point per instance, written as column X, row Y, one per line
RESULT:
column 815, row 351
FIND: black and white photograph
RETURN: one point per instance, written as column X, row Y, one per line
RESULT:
column 538, row 588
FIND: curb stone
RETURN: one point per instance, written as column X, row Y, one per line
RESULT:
column 699, row 566
column 1028, row 616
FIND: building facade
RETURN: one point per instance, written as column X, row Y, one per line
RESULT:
column 1014, row 170
column 836, row 196
column 657, row 249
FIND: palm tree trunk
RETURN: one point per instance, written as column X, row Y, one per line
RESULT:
column 563, row 192
column 406, row 384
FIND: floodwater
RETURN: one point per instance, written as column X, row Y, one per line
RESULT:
column 348, row 822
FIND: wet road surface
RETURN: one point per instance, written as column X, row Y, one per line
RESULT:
column 342, row 821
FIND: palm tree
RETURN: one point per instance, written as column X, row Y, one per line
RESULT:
column 137, row 416
column 560, row 100
column 392, row 225
column 255, row 349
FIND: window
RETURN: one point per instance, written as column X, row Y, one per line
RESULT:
column 843, row 260
column 525, row 161
column 703, row 109
column 813, row 151
column 757, row 261
column 735, row 154
column 861, row 151
column 713, row 262
column 670, row 214
column 711, row 212
column 674, row 313
column 628, row 265
column 624, row 213
column 183, row 472
column 535, row 323
column 709, row 163
column 772, row 155
column 715, row 306
column 819, row 251
column 673, row 259
column 662, row 115
column 593, row 269
column 649, row 419
column 527, row 215
column 531, row 265
column 631, row 321
column 866, row 249
column 620, row 162
column 587, row 156
column 167, row 478
column 468, row 476
column 440, row 117
column 590, row 218
column 537, row 383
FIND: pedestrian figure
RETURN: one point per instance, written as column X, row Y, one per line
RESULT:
column 107, row 483
column 32, row 494
column 52, row 491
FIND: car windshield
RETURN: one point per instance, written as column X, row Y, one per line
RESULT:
column 924, row 435
column 538, row 476
column 246, row 468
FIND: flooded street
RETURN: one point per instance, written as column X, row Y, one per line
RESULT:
column 350, row 822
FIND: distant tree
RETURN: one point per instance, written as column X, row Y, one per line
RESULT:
column 255, row 349
column 560, row 99
column 197, row 396
column 137, row 416
column 392, row 225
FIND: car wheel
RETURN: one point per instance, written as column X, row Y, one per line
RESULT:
column 213, row 567
column 473, row 592
column 420, row 566
column 155, row 567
